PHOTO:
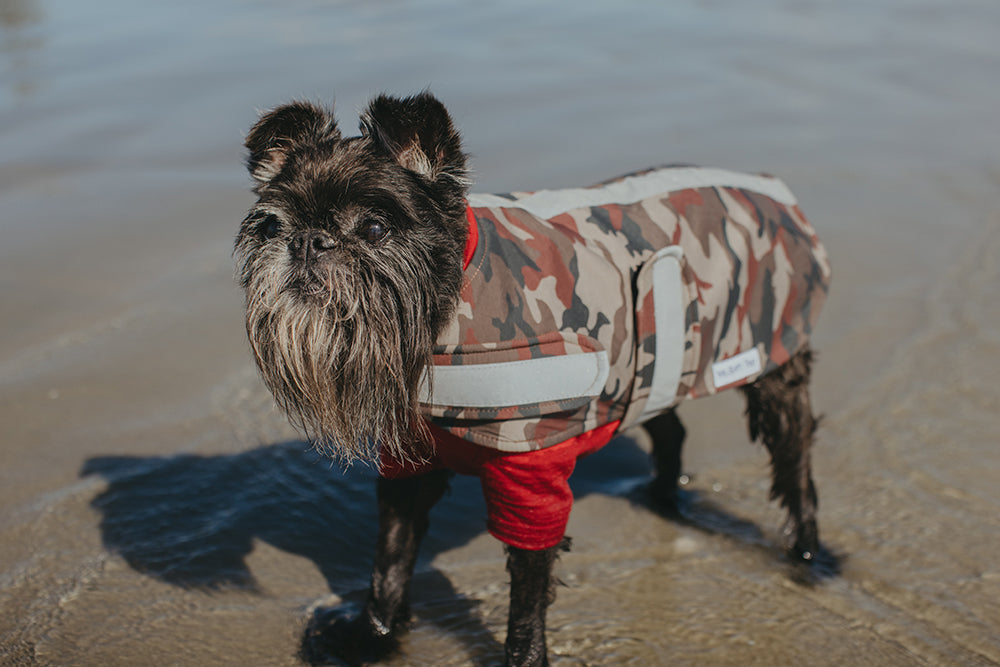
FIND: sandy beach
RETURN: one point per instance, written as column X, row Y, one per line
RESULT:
column 156, row 509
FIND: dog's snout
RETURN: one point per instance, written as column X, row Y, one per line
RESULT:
column 311, row 244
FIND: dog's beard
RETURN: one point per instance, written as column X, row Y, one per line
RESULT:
column 343, row 351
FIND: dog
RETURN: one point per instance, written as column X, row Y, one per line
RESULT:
column 399, row 320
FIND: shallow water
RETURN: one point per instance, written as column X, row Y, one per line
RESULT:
column 157, row 510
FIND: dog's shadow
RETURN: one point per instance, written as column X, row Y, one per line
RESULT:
column 192, row 520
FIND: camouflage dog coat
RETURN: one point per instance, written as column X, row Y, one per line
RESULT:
column 586, row 311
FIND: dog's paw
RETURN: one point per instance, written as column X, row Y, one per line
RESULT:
column 346, row 635
column 806, row 548
column 666, row 499
column 820, row 565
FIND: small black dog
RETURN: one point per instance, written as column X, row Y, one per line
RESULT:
column 507, row 335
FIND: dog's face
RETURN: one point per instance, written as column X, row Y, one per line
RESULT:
column 351, row 264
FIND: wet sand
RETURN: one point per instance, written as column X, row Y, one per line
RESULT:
column 156, row 509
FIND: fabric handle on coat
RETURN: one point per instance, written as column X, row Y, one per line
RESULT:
column 669, row 305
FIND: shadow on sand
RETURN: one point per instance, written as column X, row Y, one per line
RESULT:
column 192, row 521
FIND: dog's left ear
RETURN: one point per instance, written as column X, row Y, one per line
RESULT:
column 417, row 132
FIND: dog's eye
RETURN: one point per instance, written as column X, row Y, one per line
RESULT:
column 268, row 227
column 375, row 231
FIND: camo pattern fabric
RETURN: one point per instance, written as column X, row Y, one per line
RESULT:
column 754, row 277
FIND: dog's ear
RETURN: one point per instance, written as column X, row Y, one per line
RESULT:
column 271, row 138
column 417, row 132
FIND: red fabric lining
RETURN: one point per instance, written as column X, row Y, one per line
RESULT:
column 528, row 498
column 472, row 240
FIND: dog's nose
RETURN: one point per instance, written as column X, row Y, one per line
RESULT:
column 311, row 244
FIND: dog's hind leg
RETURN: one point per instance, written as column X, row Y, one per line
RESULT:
column 404, row 506
column 779, row 413
column 532, row 590
column 667, row 434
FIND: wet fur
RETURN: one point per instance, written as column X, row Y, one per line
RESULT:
column 343, row 342
column 341, row 325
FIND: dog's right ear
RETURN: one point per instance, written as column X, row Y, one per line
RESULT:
column 273, row 136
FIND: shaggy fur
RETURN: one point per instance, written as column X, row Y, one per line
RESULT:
column 351, row 264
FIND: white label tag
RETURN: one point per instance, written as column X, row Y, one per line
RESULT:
column 736, row 368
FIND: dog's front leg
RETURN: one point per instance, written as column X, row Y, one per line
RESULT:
column 532, row 590
column 372, row 635
column 403, row 508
